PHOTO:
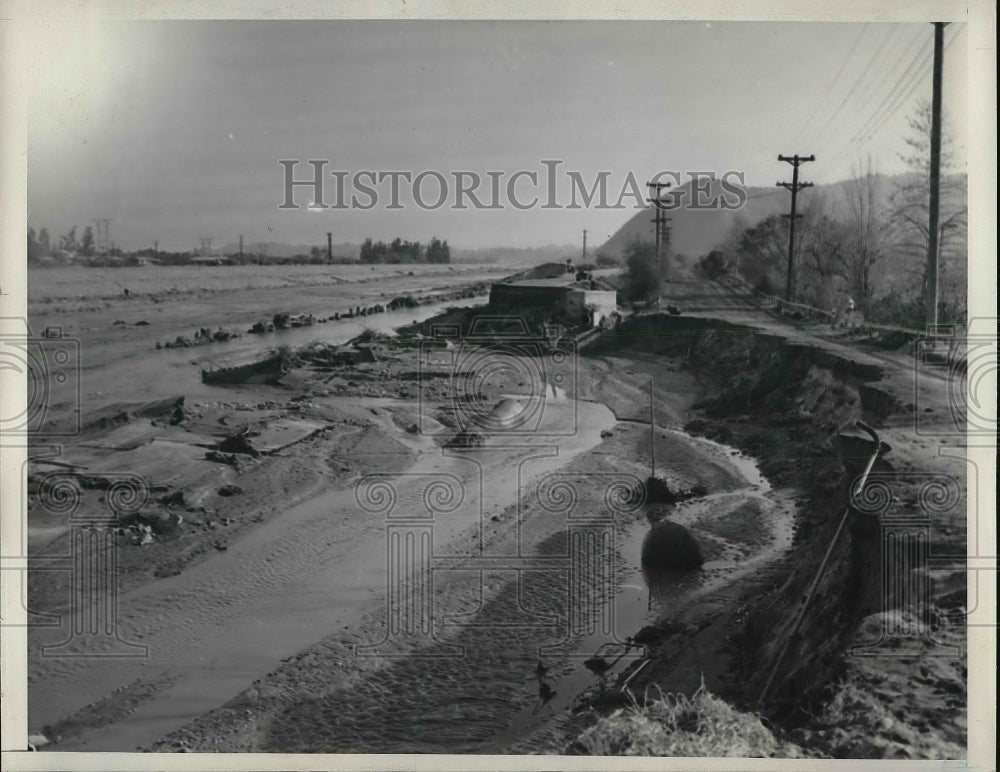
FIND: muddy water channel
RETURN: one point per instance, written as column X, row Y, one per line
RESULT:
column 131, row 368
column 540, row 596
column 409, row 612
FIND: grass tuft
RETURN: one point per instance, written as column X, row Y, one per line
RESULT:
column 677, row 725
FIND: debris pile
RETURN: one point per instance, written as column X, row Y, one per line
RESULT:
column 239, row 442
column 202, row 337
column 465, row 440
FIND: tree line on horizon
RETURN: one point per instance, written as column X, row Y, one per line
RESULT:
column 401, row 251
column 40, row 245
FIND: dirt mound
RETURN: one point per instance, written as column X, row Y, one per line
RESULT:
column 671, row 546
column 658, row 492
column 543, row 271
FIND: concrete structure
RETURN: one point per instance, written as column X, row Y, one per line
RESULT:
column 581, row 306
column 597, row 305
column 541, row 292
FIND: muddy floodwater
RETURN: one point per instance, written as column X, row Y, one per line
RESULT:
column 323, row 566
column 133, row 369
column 645, row 596
column 325, row 627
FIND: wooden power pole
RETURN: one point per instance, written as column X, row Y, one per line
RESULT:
column 795, row 186
column 652, row 434
column 658, row 217
column 933, row 244
column 584, row 260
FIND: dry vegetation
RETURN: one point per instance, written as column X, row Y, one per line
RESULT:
column 677, row 725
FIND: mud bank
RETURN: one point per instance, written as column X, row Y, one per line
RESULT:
column 853, row 678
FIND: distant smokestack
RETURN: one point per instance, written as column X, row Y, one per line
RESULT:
column 329, row 247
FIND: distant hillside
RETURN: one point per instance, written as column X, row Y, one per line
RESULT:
column 695, row 232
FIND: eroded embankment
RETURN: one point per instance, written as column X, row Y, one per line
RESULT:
column 793, row 406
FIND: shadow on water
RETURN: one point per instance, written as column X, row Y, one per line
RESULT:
column 663, row 586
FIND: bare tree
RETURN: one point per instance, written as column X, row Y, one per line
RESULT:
column 821, row 249
column 866, row 234
column 911, row 201
column 763, row 252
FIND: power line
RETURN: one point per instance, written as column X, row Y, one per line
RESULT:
column 915, row 82
column 850, row 55
column 867, row 70
column 901, row 101
column 904, row 76
column 867, row 95
column 887, row 110
column 905, row 81
column 858, row 98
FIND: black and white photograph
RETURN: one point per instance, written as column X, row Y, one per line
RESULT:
column 581, row 382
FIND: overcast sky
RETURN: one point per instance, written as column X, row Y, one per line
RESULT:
column 175, row 129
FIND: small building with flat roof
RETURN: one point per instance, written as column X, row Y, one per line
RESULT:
column 580, row 304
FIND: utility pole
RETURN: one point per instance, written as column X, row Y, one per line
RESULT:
column 102, row 237
column 665, row 242
column 795, row 186
column 329, row 247
column 241, row 247
column 156, row 246
column 931, row 300
column 658, row 217
column 584, row 260
column 652, row 434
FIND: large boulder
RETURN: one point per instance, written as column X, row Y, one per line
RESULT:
column 671, row 546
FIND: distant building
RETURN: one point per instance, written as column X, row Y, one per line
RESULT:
column 538, row 292
column 598, row 305
column 210, row 260
column 580, row 305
